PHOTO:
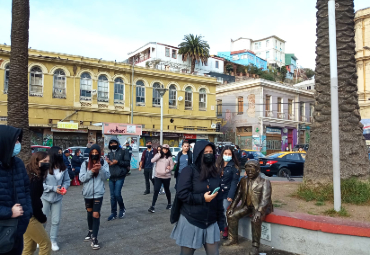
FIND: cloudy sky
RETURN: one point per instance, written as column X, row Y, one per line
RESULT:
column 110, row 29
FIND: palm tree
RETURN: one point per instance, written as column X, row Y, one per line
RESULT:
column 195, row 48
column 353, row 152
column 18, row 76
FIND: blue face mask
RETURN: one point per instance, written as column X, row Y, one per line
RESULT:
column 227, row 158
column 17, row 149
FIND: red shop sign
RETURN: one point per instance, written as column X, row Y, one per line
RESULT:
column 188, row 136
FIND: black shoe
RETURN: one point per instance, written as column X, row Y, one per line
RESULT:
column 88, row 237
column 169, row 207
column 146, row 192
column 94, row 244
column 151, row 209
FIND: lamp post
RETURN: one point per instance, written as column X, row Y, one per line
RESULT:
column 161, row 92
column 132, row 90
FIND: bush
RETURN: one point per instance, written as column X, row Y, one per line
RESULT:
column 268, row 76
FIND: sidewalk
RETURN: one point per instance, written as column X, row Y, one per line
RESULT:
column 139, row 233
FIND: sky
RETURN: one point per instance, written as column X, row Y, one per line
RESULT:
column 109, row 29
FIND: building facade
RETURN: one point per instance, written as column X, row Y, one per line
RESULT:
column 264, row 115
column 245, row 58
column 291, row 65
column 90, row 91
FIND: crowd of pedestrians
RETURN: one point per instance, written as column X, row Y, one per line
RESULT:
column 206, row 182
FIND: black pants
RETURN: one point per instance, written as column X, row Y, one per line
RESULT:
column 18, row 247
column 148, row 176
column 92, row 222
column 157, row 187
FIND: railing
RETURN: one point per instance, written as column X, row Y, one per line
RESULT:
column 281, row 115
column 269, row 114
column 137, row 61
column 291, row 117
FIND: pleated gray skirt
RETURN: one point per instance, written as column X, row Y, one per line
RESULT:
column 188, row 235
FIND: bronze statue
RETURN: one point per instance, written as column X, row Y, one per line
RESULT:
column 254, row 192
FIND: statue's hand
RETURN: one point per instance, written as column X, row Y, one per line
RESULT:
column 257, row 216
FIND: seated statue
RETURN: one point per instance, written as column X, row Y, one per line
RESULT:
column 254, row 192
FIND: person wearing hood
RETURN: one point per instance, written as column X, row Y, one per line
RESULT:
column 55, row 182
column 129, row 148
column 202, row 215
column 118, row 161
column 94, row 172
column 37, row 170
column 228, row 166
column 15, row 202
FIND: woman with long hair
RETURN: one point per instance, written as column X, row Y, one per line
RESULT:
column 201, row 214
column 164, row 166
column 228, row 166
column 37, row 170
column 57, row 181
column 93, row 173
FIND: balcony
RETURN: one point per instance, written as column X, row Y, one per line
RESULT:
column 269, row 114
column 291, row 116
column 281, row 115
column 303, row 119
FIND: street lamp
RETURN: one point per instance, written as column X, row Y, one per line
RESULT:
column 161, row 92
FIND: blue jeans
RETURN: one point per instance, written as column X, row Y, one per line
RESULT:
column 115, row 194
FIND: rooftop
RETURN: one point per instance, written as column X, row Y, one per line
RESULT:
column 269, row 38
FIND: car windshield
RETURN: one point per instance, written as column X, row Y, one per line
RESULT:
column 276, row 155
column 258, row 154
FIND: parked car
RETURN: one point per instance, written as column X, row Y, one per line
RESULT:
column 141, row 150
column 84, row 151
column 283, row 164
column 175, row 150
column 36, row 148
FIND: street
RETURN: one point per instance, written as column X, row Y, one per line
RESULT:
column 139, row 233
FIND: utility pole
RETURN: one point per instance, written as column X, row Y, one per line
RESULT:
column 334, row 105
column 132, row 90
column 161, row 92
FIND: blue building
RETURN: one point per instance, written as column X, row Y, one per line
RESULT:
column 291, row 65
column 244, row 57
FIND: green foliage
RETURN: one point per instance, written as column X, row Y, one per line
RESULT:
column 195, row 48
column 268, row 76
column 283, row 72
column 332, row 213
column 309, row 72
column 229, row 68
column 353, row 191
column 320, row 203
column 241, row 69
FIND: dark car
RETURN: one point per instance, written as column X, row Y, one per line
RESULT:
column 249, row 154
column 283, row 164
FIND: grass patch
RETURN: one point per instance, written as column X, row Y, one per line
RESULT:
column 312, row 213
column 332, row 213
column 277, row 205
column 353, row 191
column 320, row 203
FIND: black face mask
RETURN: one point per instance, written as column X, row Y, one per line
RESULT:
column 44, row 167
column 60, row 157
column 114, row 147
column 208, row 158
column 149, row 146
column 95, row 157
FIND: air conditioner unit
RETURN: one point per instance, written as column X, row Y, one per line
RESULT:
column 94, row 92
column 180, row 98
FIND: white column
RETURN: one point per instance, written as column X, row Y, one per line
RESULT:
column 161, row 135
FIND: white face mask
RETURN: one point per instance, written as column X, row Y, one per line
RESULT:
column 227, row 158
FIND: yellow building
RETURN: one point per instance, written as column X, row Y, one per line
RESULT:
column 90, row 91
column 362, row 27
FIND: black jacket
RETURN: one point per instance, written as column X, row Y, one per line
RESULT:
column 77, row 161
column 118, row 170
column 37, row 188
column 190, row 161
column 229, row 180
column 190, row 190
column 9, row 166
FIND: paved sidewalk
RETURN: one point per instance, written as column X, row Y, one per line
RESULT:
column 139, row 233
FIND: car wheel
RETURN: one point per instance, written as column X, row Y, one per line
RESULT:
column 284, row 172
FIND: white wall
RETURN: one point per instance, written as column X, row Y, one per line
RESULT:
column 273, row 51
column 241, row 44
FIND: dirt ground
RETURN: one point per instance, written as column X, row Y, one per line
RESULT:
column 282, row 199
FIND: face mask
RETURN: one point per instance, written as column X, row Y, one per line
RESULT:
column 208, row 158
column 17, row 149
column 44, row 166
column 95, row 157
column 60, row 156
column 227, row 158
column 149, row 146
column 114, row 147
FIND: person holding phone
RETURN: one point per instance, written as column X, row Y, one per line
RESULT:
column 228, row 166
column 202, row 217
column 94, row 172
column 56, row 179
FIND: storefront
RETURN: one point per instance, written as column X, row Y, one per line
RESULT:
column 273, row 140
column 193, row 138
column 172, row 139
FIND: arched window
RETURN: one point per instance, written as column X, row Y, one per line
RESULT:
column 6, row 81
column 119, row 90
column 156, row 94
column 36, row 81
column 202, row 99
column 59, row 90
column 140, row 92
column 103, row 88
column 188, row 98
column 85, row 87
column 173, row 96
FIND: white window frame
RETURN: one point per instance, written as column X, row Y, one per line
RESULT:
column 6, row 78
column 172, row 103
column 33, row 74
column 118, row 82
column 85, row 86
column 103, row 88
column 140, row 92
column 203, row 99
column 156, row 98
column 217, row 64
column 169, row 52
column 188, row 98
column 59, row 84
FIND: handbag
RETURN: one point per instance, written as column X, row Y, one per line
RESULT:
column 8, row 228
column 75, row 181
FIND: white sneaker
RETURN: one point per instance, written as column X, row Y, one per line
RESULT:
column 54, row 246
column 38, row 246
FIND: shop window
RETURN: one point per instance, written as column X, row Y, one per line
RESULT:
column 6, row 80
column 119, row 91
column 173, row 96
column 240, row 105
column 156, row 94
column 202, row 99
column 140, row 93
column 85, row 87
column 59, row 90
column 103, row 88
column 36, row 81
column 188, row 98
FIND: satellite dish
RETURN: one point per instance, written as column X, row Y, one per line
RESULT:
column 213, row 126
column 180, row 98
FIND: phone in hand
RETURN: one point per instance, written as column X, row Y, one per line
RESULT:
column 216, row 190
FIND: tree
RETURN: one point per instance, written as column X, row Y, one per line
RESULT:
column 353, row 152
column 195, row 48
column 18, row 74
column 309, row 73
column 283, row 72
column 229, row 68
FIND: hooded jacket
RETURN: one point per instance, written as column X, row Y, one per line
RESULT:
column 191, row 190
column 13, row 166
column 123, row 157
column 161, row 170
